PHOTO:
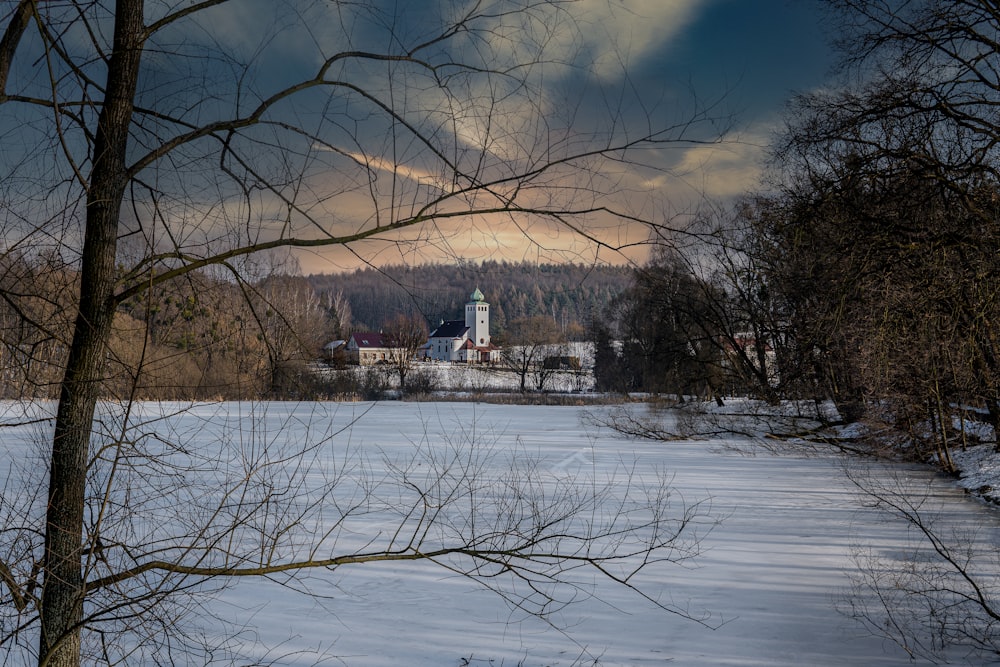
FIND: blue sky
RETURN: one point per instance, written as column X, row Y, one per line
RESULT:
column 755, row 54
column 765, row 49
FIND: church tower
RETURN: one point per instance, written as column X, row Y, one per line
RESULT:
column 477, row 318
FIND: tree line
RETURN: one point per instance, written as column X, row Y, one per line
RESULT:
column 210, row 336
column 567, row 293
column 204, row 337
column 863, row 272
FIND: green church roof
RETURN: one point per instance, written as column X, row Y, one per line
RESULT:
column 478, row 296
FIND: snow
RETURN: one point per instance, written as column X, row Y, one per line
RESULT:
column 771, row 579
column 980, row 470
column 460, row 377
column 773, row 572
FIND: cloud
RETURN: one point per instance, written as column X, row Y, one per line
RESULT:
column 620, row 33
column 562, row 59
column 720, row 170
column 415, row 174
column 490, row 125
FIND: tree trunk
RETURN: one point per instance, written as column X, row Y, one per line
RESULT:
column 63, row 591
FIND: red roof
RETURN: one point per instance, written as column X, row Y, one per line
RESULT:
column 367, row 339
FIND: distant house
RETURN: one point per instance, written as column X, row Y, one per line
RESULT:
column 335, row 353
column 367, row 348
column 465, row 341
column 743, row 350
column 334, row 347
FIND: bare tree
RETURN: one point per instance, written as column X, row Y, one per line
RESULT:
column 294, row 327
column 940, row 590
column 145, row 143
column 339, row 310
column 674, row 326
column 526, row 343
column 916, row 117
column 404, row 335
column 35, row 296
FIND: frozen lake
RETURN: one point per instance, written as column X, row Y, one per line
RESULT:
column 773, row 572
column 770, row 577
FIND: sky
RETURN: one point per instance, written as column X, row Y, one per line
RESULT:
column 745, row 57
column 756, row 52
column 335, row 162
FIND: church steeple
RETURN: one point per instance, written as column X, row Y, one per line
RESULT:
column 477, row 318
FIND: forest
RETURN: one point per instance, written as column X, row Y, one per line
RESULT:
column 569, row 293
column 210, row 337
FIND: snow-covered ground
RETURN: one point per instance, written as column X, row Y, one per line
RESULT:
column 462, row 378
column 980, row 471
column 771, row 577
column 475, row 378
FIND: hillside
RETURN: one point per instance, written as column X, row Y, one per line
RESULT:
column 568, row 292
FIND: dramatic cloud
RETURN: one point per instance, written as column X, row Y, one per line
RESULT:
column 568, row 86
column 623, row 33
column 721, row 170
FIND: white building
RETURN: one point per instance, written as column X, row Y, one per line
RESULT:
column 465, row 341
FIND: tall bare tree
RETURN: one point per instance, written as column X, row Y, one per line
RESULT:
column 294, row 328
column 339, row 312
column 674, row 327
column 404, row 335
column 148, row 140
column 919, row 105
column 526, row 343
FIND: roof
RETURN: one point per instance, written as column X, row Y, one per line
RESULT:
column 450, row 329
column 477, row 295
column 367, row 339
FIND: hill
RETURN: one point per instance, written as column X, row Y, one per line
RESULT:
column 570, row 293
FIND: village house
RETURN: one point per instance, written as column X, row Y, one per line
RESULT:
column 465, row 341
column 367, row 348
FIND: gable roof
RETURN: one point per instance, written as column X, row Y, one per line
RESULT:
column 367, row 339
column 450, row 329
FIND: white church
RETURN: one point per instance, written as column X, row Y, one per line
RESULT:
column 465, row 341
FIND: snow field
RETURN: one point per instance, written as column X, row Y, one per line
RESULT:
column 767, row 584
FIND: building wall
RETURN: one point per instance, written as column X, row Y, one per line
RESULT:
column 444, row 349
column 477, row 318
